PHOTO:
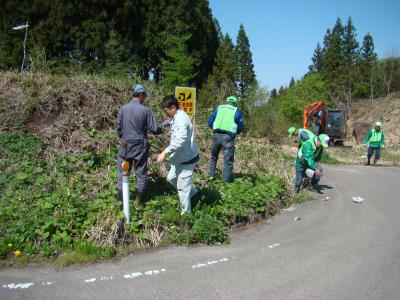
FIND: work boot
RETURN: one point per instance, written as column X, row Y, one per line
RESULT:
column 317, row 188
column 375, row 160
column 119, row 196
column 198, row 197
column 369, row 161
column 141, row 198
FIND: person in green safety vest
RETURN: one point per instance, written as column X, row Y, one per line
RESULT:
column 309, row 154
column 376, row 140
column 226, row 121
column 301, row 134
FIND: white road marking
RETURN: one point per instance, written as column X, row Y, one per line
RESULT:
column 47, row 283
column 90, row 280
column 201, row 265
column 274, row 245
column 12, row 286
column 133, row 275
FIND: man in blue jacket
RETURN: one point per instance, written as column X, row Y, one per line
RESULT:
column 226, row 121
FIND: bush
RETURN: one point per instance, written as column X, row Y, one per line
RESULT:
column 208, row 230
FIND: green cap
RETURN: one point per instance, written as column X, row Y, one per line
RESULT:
column 324, row 140
column 291, row 130
column 232, row 99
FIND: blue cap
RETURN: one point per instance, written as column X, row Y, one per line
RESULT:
column 138, row 88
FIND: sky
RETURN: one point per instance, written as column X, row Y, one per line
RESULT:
column 283, row 34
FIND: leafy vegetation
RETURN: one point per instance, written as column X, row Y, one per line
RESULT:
column 63, row 205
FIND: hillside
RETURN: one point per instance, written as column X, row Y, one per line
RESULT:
column 58, row 175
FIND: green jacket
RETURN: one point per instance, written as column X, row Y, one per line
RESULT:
column 305, row 156
column 375, row 138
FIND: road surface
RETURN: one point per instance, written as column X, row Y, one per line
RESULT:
column 337, row 250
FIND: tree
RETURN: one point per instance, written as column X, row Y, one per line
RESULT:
column 292, row 82
column 368, row 64
column 179, row 65
column 317, row 60
column 114, row 54
column 246, row 73
column 333, row 54
column 221, row 83
column 350, row 45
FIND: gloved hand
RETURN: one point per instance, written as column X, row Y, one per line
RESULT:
column 166, row 122
column 317, row 172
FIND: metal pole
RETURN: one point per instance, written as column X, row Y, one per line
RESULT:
column 125, row 191
column 26, row 34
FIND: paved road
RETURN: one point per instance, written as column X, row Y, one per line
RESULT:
column 337, row 250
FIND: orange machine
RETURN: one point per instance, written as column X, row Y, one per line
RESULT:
column 314, row 116
column 319, row 120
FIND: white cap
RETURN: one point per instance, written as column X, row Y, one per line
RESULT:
column 378, row 124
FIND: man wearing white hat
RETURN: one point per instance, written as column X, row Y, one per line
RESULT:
column 376, row 141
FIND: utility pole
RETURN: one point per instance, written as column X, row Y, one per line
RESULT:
column 18, row 27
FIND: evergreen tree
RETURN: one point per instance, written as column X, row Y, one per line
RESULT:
column 115, row 53
column 317, row 59
column 350, row 44
column 179, row 65
column 222, row 81
column 333, row 54
column 274, row 94
column 246, row 73
column 368, row 85
column 292, row 82
column 368, row 55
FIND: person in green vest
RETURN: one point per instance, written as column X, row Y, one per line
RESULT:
column 376, row 140
column 301, row 134
column 226, row 121
column 309, row 154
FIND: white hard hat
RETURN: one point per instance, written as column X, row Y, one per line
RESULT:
column 378, row 124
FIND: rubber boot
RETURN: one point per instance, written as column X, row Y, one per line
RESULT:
column 119, row 196
column 369, row 161
column 375, row 160
column 140, row 198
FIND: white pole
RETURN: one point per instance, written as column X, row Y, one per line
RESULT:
column 125, row 196
column 125, row 190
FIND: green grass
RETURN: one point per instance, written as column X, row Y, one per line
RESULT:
column 62, row 207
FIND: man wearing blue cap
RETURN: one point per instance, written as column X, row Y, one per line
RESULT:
column 226, row 121
column 133, row 122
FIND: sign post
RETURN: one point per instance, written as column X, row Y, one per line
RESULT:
column 125, row 190
column 187, row 100
column 18, row 27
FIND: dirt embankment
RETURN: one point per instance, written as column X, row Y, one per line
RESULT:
column 364, row 113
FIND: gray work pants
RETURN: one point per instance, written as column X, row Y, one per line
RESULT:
column 227, row 144
column 136, row 153
column 180, row 177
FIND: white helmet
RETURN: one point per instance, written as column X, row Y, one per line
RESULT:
column 378, row 124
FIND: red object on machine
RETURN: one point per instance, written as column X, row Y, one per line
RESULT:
column 310, row 115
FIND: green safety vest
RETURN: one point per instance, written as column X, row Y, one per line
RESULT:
column 300, row 153
column 225, row 119
column 376, row 136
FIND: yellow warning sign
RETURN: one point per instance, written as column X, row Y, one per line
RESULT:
column 187, row 99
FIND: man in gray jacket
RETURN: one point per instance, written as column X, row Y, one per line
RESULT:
column 133, row 122
column 182, row 153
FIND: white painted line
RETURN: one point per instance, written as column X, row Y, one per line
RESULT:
column 274, row 245
column 201, row 265
column 90, row 280
column 133, row 275
column 18, row 285
column 106, row 278
column 47, row 283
